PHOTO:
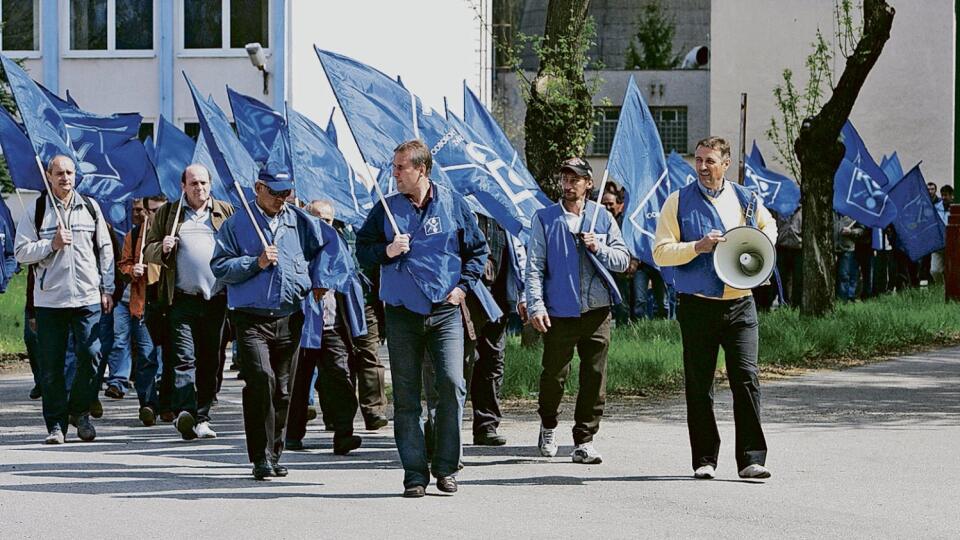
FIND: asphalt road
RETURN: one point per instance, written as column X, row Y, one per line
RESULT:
column 866, row 452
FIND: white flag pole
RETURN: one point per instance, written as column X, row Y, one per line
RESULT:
column 53, row 200
column 596, row 210
column 383, row 200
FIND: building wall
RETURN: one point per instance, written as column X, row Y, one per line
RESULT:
column 906, row 104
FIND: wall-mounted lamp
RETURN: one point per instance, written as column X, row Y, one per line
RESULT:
column 259, row 61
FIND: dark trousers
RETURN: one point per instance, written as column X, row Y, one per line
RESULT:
column 884, row 271
column 705, row 326
column 195, row 329
column 790, row 266
column 367, row 368
column 589, row 334
column 300, row 394
column 53, row 327
column 155, row 316
column 487, row 376
column 336, row 380
column 265, row 349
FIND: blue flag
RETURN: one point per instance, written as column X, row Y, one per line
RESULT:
column 202, row 156
column 856, row 152
column 257, row 124
column 331, row 129
column 150, row 182
column 920, row 231
column 892, row 169
column 8, row 230
column 150, row 148
column 19, row 154
column 44, row 126
column 485, row 125
column 174, row 151
column 321, row 172
column 681, row 173
column 637, row 163
column 778, row 192
column 859, row 185
column 233, row 164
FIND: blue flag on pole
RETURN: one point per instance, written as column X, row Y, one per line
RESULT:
column 681, row 173
column 19, row 154
column 331, row 129
column 8, row 230
column 150, row 148
column 44, row 126
column 859, row 185
column 257, row 124
column 892, row 169
column 637, row 163
column 321, row 172
column 202, row 156
column 174, row 151
column 231, row 160
column 778, row 192
column 920, row 231
column 485, row 125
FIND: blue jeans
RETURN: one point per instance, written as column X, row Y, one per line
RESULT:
column 652, row 305
column 106, row 345
column 145, row 360
column 410, row 336
column 53, row 326
column 33, row 355
column 118, row 356
column 847, row 273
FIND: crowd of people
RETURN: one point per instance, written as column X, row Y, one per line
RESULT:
column 307, row 302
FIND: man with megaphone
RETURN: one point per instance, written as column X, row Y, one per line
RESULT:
column 708, row 231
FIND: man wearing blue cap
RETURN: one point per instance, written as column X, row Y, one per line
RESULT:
column 265, row 288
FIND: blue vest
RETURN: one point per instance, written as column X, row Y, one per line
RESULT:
column 697, row 217
column 276, row 290
column 427, row 273
column 561, row 288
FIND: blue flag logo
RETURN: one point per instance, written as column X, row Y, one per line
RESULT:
column 257, row 124
column 778, row 192
column 859, row 185
column 920, row 231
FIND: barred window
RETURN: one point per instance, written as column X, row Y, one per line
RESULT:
column 672, row 125
column 20, row 29
column 603, row 130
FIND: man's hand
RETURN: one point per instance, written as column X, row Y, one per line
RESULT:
column 269, row 256
column 522, row 311
column 318, row 294
column 106, row 302
column 456, row 296
column 709, row 242
column 139, row 269
column 590, row 241
column 64, row 237
column 169, row 242
column 399, row 246
column 32, row 323
column 632, row 267
column 540, row 322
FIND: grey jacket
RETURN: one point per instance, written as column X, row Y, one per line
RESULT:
column 70, row 277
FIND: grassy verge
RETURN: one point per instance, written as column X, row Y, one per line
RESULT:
column 11, row 316
column 646, row 357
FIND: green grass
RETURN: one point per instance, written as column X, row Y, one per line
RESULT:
column 11, row 315
column 647, row 357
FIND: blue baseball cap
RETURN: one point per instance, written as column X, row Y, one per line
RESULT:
column 280, row 181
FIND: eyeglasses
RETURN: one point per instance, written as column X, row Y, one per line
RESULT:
column 283, row 194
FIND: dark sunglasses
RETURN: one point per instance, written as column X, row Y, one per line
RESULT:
column 283, row 194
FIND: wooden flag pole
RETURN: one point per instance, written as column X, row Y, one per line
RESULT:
column 596, row 210
column 383, row 200
column 743, row 138
column 246, row 205
column 53, row 200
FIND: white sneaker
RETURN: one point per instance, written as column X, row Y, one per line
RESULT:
column 705, row 472
column 586, row 453
column 204, row 432
column 547, row 442
column 754, row 471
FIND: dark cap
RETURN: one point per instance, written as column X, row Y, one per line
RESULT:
column 579, row 166
column 279, row 181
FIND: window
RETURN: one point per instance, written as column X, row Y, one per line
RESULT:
column 192, row 129
column 603, row 130
column 21, row 25
column 672, row 125
column 225, row 24
column 111, row 25
column 146, row 130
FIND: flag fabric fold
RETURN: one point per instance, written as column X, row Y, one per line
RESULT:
column 779, row 193
column 859, row 185
column 920, row 231
column 257, row 124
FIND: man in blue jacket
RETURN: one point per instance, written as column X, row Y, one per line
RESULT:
column 426, row 271
column 265, row 288
column 569, row 292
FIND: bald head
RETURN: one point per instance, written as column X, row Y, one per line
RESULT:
column 61, row 173
column 322, row 209
column 196, row 185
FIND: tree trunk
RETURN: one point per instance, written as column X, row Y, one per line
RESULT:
column 819, row 151
column 560, row 114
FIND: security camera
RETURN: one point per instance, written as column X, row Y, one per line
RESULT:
column 257, row 58
column 696, row 58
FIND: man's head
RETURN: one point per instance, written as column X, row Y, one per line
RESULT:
column 932, row 190
column 612, row 199
column 411, row 166
column 272, row 191
column 195, row 182
column 144, row 209
column 61, row 173
column 322, row 209
column 576, row 179
column 946, row 193
column 712, row 161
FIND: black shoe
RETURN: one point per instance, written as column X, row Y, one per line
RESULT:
column 293, row 445
column 489, row 438
column 311, row 413
column 147, row 416
column 375, row 422
column 35, row 392
column 262, row 469
column 447, row 484
column 342, row 445
column 184, row 424
column 96, row 408
column 414, row 492
column 113, row 392
column 85, row 429
column 279, row 470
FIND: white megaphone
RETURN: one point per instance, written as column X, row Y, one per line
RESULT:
column 746, row 259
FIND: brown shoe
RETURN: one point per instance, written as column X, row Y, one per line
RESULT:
column 167, row 417
column 447, row 484
column 414, row 492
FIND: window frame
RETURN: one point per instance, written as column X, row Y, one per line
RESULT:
column 657, row 111
column 111, row 51
column 597, row 110
column 222, row 52
column 18, row 54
